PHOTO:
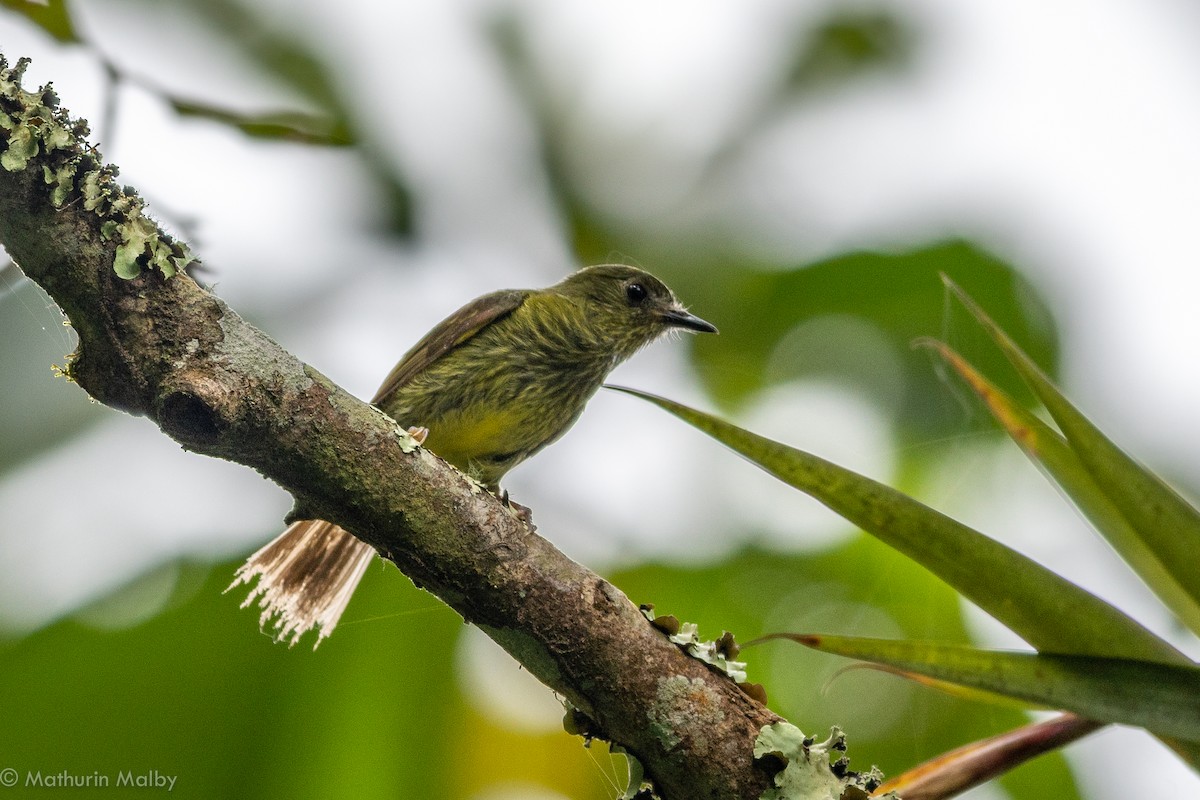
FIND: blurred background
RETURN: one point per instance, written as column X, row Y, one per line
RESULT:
column 799, row 173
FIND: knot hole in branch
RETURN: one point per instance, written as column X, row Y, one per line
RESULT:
column 190, row 410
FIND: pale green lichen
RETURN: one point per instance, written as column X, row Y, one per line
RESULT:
column 812, row 770
column 408, row 442
column 22, row 146
column 710, row 652
column 637, row 786
column 93, row 196
column 61, row 181
column 718, row 654
column 138, row 235
column 32, row 126
column 683, row 706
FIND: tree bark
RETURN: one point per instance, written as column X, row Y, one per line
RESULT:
column 159, row 345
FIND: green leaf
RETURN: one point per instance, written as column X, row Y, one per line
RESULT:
column 50, row 15
column 293, row 60
column 1167, row 524
column 849, row 44
column 289, row 125
column 953, row 689
column 146, row 695
column 851, row 319
column 1164, row 698
column 1048, row 448
column 1048, row 611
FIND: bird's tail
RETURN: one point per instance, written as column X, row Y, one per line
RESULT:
column 305, row 578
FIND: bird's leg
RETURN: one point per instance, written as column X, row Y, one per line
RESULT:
column 418, row 433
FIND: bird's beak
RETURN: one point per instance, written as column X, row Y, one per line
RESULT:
column 679, row 318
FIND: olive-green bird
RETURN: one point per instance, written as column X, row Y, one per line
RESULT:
column 488, row 387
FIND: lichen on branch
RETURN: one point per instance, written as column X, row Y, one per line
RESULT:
column 37, row 133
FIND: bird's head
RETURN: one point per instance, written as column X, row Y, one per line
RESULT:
column 627, row 307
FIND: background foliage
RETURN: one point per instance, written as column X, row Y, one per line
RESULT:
column 345, row 190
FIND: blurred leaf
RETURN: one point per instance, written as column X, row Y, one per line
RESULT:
column 1049, row 449
column 1046, row 610
column 849, row 43
column 764, row 317
column 830, row 53
column 277, row 52
column 396, row 204
column 290, row 125
column 293, row 61
column 1164, row 698
column 970, row 765
column 199, row 693
column 582, row 226
column 50, row 15
column 1167, row 524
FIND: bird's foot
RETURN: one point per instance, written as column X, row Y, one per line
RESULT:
column 418, row 433
column 523, row 513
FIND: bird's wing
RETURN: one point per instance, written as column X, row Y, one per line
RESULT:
column 448, row 334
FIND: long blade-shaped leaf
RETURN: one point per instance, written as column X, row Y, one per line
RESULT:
column 945, row 687
column 1164, row 698
column 1168, row 524
column 1048, row 448
column 1046, row 610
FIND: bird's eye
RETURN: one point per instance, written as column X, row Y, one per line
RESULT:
column 635, row 293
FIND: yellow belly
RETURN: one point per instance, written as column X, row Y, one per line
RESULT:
column 485, row 443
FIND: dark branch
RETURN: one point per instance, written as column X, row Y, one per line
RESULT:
column 163, row 347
